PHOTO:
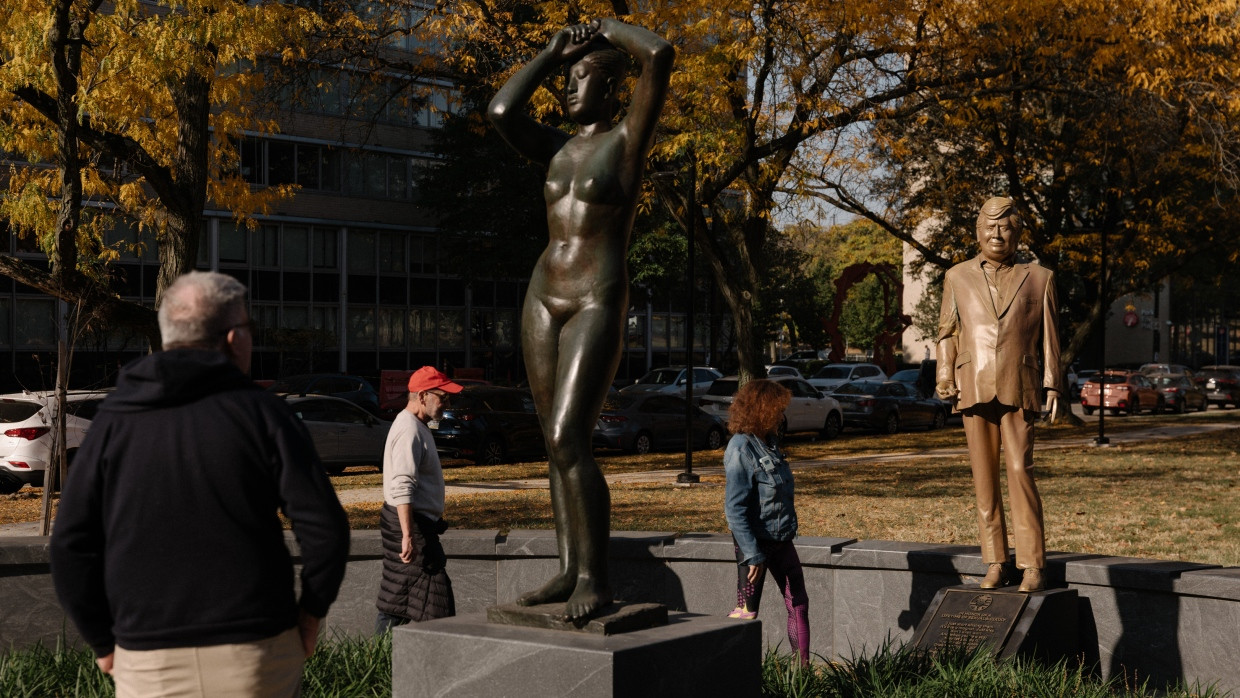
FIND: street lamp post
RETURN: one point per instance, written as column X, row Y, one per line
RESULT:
column 1101, row 439
column 688, row 476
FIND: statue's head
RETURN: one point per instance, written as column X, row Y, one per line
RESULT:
column 593, row 83
column 998, row 230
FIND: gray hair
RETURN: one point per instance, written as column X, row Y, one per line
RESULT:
column 199, row 308
column 999, row 207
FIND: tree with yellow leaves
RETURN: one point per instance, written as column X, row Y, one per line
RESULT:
column 1108, row 118
column 767, row 98
column 133, row 108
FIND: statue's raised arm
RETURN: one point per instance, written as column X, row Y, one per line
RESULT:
column 573, row 318
column 653, row 54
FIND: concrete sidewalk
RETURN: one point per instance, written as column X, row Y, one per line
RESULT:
column 374, row 495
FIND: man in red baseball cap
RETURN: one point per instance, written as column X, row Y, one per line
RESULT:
column 414, row 585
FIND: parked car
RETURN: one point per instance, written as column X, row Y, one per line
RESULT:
column 1221, row 383
column 808, row 410
column 642, row 422
column 1150, row 369
column 489, row 425
column 1180, row 394
column 672, row 380
column 807, row 355
column 832, row 376
column 923, row 378
column 355, row 389
column 1078, row 379
column 343, row 433
column 921, row 381
column 779, row 370
column 27, row 419
column 888, row 406
column 1122, row 392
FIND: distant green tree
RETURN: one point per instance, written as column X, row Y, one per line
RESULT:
column 826, row 254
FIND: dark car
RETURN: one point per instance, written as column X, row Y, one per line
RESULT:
column 643, row 422
column 489, row 425
column 1221, row 383
column 355, row 389
column 1122, row 392
column 343, row 433
column 888, row 406
column 1180, row 393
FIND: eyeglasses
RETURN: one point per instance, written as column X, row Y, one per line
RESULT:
column 443, row 396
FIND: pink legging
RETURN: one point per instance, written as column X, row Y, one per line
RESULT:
column 785, row 567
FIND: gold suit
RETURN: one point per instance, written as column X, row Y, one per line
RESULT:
column 991, row 333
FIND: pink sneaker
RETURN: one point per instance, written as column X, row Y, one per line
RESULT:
column 740, row 612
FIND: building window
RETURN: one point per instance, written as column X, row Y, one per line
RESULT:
column 296, row 246
column 265, row 246
column 422, row 328
column 361, row 327
column 266, row 162
column 232, row 243
column 6, row 320
column 362, row 251
column 35, row 322
column 281, row 163
column 323, row 318
column 391, row 328
column 451, row 329
column 324, row 248
column 392, row 252
column 266, row 319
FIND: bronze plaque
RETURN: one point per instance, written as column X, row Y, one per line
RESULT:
column 970, row 617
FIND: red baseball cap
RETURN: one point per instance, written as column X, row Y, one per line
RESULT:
column 430, row 378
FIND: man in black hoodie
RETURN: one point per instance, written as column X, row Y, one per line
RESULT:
column 168, row 552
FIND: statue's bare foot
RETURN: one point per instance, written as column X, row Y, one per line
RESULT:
column 587, row 599
column 558, row 589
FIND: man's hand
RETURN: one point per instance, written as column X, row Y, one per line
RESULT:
column 946, row 390
column 105, row 662
column 307, row 626
column 756, row 572
column 406, row 548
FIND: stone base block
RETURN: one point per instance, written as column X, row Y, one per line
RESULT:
column 465, row 656
column 1042, row 624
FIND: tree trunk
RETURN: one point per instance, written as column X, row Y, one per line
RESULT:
column 178, row 242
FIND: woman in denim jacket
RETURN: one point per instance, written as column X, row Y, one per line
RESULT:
column 760, row 510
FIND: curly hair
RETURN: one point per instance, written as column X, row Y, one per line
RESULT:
column 758, row 407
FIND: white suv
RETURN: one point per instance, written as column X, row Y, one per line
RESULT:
column 26, row 424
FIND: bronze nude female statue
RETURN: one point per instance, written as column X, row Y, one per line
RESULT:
column 578, row 294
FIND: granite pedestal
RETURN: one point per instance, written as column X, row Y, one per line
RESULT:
column 693, row 655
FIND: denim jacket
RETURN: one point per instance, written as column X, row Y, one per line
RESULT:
column 758, row 500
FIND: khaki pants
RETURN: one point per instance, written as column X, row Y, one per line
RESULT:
column 986, row 426
column 269, row 668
